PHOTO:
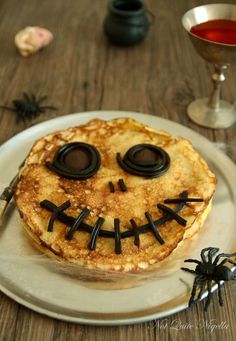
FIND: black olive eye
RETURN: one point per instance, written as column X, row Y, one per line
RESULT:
column 76, row 160
column 145, row 160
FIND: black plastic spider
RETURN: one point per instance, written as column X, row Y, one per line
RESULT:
column 28, row 107
column 208, row 271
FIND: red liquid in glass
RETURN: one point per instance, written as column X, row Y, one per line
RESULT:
column 219, row 31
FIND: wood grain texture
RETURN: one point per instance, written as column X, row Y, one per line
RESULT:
column 82, row 71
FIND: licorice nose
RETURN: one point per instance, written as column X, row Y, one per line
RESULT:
column 121, row 185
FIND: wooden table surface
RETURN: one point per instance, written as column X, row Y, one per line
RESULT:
column 80, row 71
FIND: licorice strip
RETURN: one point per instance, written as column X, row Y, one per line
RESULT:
column 77, row 222
column 179, row 200
column 55, row 214
column 117, row 236
column 69, row 220
column 153, row 228
column 60, row 166
column 111, row 187
column 149, row 169
column 122, row 185
column 136, row 233
column 174, row 215
column 94, row 234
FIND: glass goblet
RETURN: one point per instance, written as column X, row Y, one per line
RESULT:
column 212, row 112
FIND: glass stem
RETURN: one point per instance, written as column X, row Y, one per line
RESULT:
column 217, row 78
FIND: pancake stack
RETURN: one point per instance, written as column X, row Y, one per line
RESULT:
column 113, row 195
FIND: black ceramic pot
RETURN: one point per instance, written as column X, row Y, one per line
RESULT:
column 126, row 22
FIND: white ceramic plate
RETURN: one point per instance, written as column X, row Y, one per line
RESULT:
column 29, row 281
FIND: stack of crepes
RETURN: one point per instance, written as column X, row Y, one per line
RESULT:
column 97, row 195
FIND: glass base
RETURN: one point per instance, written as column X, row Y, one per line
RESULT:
column 200, row 113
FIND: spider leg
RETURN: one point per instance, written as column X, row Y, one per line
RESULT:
column 211, row 253
column 7, row 108
column 227, row 260
column 209, row 295
column 197, row 281
column 193, row 292
column 19, row 117
column 223, row 255
column 219, row 293
column 41, row 99
column 201, row 287
column 26, row 97
column 210, row 249
column 33, row 98
column 193, row 261
column 22, row 115
column 188, row 270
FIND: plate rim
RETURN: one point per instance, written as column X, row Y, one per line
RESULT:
column 89, row 115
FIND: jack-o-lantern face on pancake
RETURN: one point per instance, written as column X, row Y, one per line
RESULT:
column 98, row 191
column 81, row 161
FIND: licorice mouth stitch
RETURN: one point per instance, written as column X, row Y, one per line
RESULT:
column 96, row 230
